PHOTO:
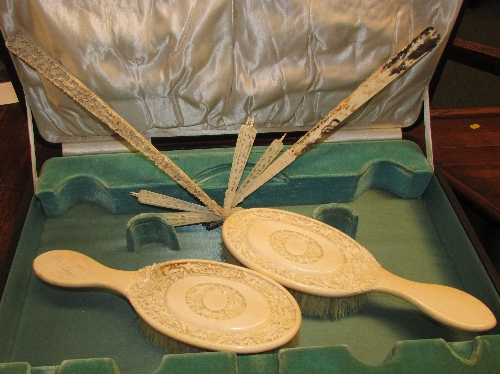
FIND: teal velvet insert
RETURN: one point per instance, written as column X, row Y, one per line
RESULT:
column 46, row 329
column 406, row 357
column 340, row 216
column 328, row 172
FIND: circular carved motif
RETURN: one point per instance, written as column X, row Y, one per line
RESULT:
column 295, row 246
column 357, row 273
column 215, row 301
column 218, row 301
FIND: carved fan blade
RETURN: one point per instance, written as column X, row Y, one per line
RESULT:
column 419, row 47
column 246, row 137
column 45, row 65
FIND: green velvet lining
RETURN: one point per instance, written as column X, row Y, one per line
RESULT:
column 328, row 172
column 430, row 356
column 418, row 237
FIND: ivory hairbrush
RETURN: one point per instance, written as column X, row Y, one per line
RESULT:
column 189, row 303
column 313, row 259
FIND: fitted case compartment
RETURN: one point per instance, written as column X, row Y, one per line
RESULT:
column 82, row 202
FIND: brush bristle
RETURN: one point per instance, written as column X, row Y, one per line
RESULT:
column 325, row 307
column 165, row 343
column 312, row 305
column 228, row 257
column 172, row 346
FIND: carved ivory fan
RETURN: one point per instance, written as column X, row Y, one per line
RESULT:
column 205, row 304
column 264, row 170
column 314, row 258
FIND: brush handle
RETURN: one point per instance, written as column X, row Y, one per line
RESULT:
column 447, row 305
column 72, row 269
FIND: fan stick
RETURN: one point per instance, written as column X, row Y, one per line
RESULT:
column 419, row 47
column 246, row 137
column 163, row 201
column 189, row 218
column 45, row 65
column 265, row 160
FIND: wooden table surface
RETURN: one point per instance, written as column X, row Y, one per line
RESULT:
column 466, row 146
column 15, row 177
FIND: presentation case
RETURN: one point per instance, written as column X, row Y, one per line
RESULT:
column 197, row 70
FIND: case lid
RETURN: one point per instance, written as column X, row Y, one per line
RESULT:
column 191, row 68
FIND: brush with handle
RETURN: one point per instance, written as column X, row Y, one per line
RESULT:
column 323, row 268
column 419, row 47
column 45, row 65
column 189, row 305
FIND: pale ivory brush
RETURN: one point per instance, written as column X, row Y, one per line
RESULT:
column 189, row 303
column 45, row 65
column 316, row 260
column 419, row 47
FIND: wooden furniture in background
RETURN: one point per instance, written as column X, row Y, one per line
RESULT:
column 15, row 178
column 478, row 56
column 466, row 145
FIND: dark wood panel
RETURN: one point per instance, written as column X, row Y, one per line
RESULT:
column 15, row 175
column 476, row 55
column 465, row 114
column 465, row 130
column 484, row 180
column 488, row 135
column 483, row 173
column 469, row 158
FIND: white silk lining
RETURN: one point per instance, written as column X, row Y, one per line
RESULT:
column 187, row 67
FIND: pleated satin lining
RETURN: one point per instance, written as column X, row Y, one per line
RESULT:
column 189, row 67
